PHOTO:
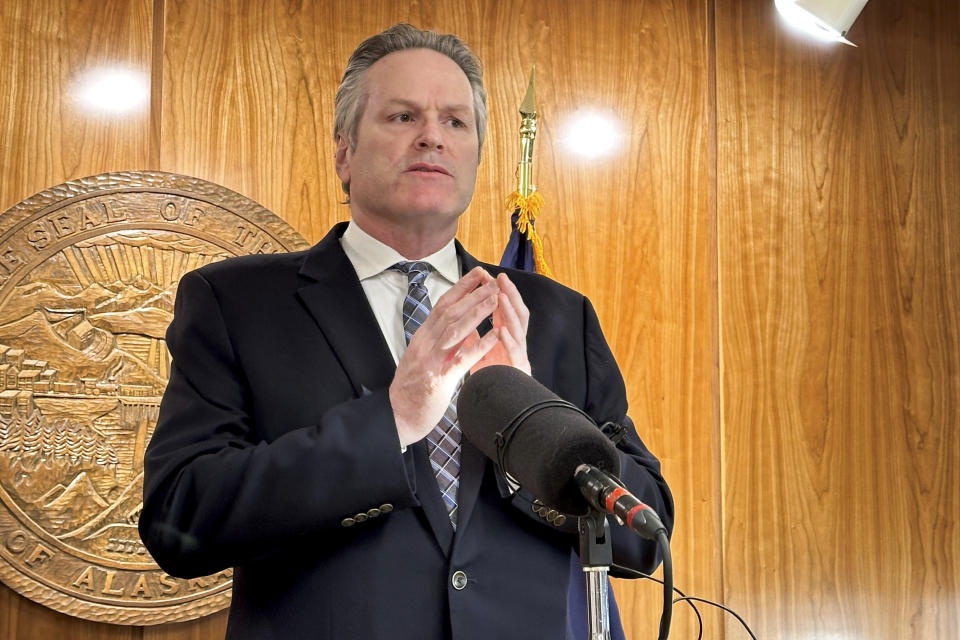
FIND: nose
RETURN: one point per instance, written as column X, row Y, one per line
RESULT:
column 431, row 137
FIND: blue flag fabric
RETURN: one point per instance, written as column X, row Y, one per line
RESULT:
column 518, row 254
column 519, row 251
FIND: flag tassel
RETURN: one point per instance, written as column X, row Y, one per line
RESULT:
column 527, row 209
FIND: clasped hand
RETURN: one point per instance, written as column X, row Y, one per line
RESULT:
column 448, row 345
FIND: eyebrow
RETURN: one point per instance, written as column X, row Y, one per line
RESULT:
column 409, row 104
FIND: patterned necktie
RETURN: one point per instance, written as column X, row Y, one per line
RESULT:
column 444, row 440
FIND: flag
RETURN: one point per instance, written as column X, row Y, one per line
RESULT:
column 524, row 251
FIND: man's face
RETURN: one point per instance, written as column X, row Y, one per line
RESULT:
column 415, row 162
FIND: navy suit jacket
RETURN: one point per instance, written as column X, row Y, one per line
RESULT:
column 276, row 430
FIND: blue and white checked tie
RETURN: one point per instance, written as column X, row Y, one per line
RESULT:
column 444, row 440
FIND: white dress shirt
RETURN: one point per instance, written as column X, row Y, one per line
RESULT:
column 386, row 288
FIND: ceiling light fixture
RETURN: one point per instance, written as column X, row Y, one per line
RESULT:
column 827, row 20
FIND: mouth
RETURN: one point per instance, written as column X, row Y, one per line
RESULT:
column 423, row 167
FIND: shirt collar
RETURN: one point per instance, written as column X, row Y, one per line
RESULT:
column 371, row 257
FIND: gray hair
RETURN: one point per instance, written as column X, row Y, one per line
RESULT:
column 352, row 96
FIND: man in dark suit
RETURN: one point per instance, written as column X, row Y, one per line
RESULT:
column 305, row 443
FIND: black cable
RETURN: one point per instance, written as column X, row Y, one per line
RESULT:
column 682, row 598
column 667, row 614
column 685, row 598
column 716, row 604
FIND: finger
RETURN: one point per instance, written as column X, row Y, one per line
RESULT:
column 457, row 330
column 511, row 314
column 474, row 278
column 510, row 332
column 471, row 290
column 515, row 349
column 471, row 351
column 506, row 317
column 513, row 296
column 449, row 325
column 512, row 318
column 470, row 340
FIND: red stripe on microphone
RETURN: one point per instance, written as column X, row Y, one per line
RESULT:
column 634, row 511
column 614, row 495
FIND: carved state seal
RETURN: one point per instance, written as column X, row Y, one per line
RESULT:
column 88, row 275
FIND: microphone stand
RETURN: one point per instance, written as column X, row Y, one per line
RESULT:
column 596, row 556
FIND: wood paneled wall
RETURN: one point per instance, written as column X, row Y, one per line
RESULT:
column 838, row 184
column 773, row 252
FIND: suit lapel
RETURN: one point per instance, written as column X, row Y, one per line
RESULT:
column 332, row 294
column 431, row 501
column 472, row 467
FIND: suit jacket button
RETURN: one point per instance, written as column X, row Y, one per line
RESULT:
column 459, row 580
column 348, row 522
column 386, row 508
column 560, row 520
column 360, row 517
column 373, row 513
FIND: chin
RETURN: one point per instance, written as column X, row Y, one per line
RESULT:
column 435, row 208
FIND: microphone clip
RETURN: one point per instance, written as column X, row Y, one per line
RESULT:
column 595, row 547
column 614, row 432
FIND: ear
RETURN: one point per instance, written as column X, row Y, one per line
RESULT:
column 343, row 156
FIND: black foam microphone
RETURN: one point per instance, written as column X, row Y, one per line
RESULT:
column 536, row 437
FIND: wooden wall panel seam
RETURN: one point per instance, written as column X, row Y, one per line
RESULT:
column 716, row 327
column 156, row 83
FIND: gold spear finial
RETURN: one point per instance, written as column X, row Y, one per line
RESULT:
column 529, row 108
column 528, row 131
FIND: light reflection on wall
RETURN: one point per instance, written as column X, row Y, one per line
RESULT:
column 591, row 134
column 112, row 91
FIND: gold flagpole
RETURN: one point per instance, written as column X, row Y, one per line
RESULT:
column 525, row 200
column 528, row 133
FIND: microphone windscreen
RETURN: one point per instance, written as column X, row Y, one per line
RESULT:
column 548, row 444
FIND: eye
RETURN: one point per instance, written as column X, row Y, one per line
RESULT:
column 457, row 124
column 403, row 117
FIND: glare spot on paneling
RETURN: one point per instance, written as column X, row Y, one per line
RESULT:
column 112, row 91
column 591, row 134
